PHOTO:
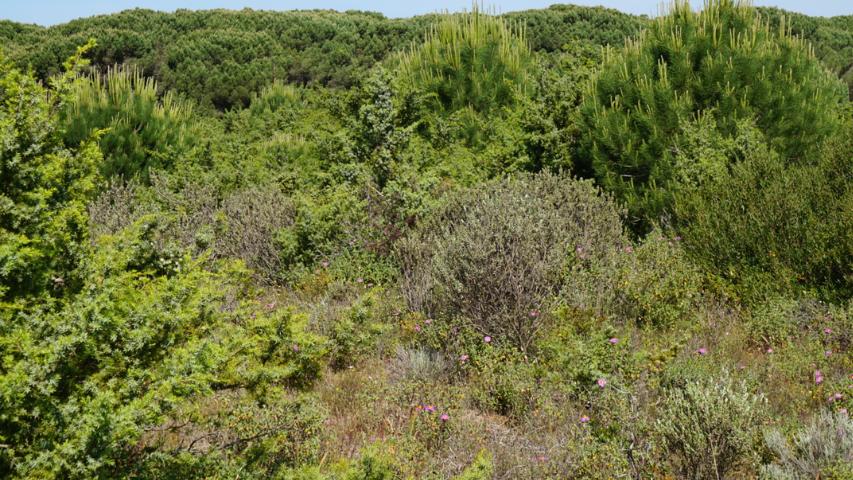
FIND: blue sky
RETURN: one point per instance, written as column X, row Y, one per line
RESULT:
column 48, row 12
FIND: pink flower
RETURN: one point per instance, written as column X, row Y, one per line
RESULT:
column 463, row 358
column 629, row 249
column 429, row 408
column 444, row 417
column 359, row 280
column 613, row 341
column 542, row 458
column 584, row 419
column 827, row 330
column 769, row 350
column 534, row 313
column 601, row 382
column 818, row 377
column 827, row 353
column 843, row 411
column 835, row 397
column 427, row 321
column 487, row 339
column 270, row 305
column 702, row 351
column 417, row 328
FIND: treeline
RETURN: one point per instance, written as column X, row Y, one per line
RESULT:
column 222, row 57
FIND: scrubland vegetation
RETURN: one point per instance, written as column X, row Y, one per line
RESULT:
column 560, row 243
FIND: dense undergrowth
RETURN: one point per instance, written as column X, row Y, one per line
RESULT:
column 311, row 245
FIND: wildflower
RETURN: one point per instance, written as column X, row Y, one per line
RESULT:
column 444, row 417
column 613, row 341
column 487, row 339
column 702, row 351
column 325, row 264
column 359, row 280
column 843, row 411
column 827, row 330
column 542, row 458
column 417, row 328
column 770, row 350
column 463, row 358
column 429, row 408
column 629, row 249
column 584, row 419
column 835, row 397
column 818, row 377
column 295, row 347
column 534, row 313
column 601, row 382
column 428, row 321
column 270, row 305
column 827, row 353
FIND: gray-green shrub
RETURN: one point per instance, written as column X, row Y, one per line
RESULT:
column 709, row 426
column 821, row 449
column 496, row 255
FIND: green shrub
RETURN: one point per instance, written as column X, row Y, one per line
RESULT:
column 142, row 131
column 148, row 332
column 725, row 62
column 659, row 283
column 496, row 255
column 767, row 225
column 482, row 468
column 709, row 426
column 471, row 61
column 822, row 449
column 45, row 187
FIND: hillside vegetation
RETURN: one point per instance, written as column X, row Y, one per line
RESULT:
column 311, row 245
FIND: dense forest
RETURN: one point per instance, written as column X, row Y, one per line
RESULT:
column 318, row 245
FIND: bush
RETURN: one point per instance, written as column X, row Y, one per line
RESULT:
column 471, row 61
column 148, row 332
column 769, row 226
column 142, row 131
column 709, row 426
column 725, row 62
column 496, row 255
column 822, row 449
column 45, row 187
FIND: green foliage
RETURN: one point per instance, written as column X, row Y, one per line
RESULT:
column 496, row 255
column 708, row 426
column 148, row 331
column 481, row 468
column 767, row 225
column 45, row 187
column 470, row 61
column 141, row 130
column 724, row 61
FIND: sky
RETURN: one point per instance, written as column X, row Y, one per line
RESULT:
column 50, row 12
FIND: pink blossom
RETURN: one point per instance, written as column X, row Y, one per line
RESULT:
column 601, row 382
column 487, row 339
column 843, row 411
column 827, row 330
column 534, row 313
column 444, row 417
column 835, row 397
column 270, row 305
column 584, row 419
column 827, row 353
column 613, row 341
column 417, row 328
column 702, row 351
column 428, row 321
column 429, row 408
column 629, row 249
column 818, row 377
column 769, row 350
column 463, row 358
